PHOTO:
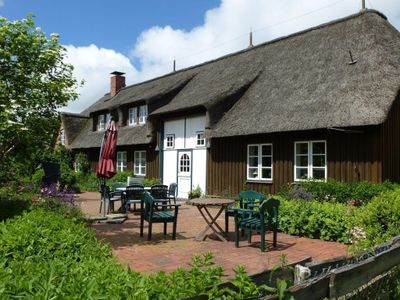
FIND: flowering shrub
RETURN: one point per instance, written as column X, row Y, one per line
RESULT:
column 354, row 194
column 64, row 196
column 299, row 193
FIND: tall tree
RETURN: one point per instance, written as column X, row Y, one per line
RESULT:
column 34, row 82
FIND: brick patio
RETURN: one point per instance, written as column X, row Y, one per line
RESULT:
column 162, row 253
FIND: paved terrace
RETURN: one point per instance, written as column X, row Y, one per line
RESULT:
column 162, row 253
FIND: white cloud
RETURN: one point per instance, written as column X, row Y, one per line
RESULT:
column 93, row 65
column 224, row 30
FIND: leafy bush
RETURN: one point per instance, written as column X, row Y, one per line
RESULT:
column 120, row 177
column 378, row 220
column 196, row 193
column 88, row 182
column 335, row 191
column 313, row 219
column 37, row 178
column 15, row 199
column 44, row 255
column 81, row 163
column 11, row 206
column 151, row 181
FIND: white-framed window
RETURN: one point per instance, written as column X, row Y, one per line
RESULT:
column 137, row 115
column 132, row 116
column 170, row 141
column 121, row 161
column 310, row 160
column 142, row 114
column 259, row 162
column 139, row 163
column 184, row 163
column 200, row 140
column 102, row 121
column 62, row 137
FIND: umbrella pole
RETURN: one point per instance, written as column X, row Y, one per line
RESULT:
column 105, row 197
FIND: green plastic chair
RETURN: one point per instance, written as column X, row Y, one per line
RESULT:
column 266, row 218
column 246, row 200
column 150, row 215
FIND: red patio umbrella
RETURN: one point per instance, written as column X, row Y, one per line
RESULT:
column 106, row 167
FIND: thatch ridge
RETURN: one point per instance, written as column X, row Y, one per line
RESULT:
column 298, row 82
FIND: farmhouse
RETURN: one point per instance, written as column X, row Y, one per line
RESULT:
column 321, row 103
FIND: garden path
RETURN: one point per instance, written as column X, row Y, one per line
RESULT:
column 162, row 253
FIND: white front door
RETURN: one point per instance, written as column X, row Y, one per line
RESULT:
column 184, row 173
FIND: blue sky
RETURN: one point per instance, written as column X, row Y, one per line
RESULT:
column 107, row 24
column 142, row 37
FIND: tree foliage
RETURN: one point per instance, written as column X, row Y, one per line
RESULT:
column 34, row 83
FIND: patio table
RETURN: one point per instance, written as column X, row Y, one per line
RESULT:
column 202, row 205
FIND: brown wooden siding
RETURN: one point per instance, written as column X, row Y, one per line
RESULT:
column 353, row 155
column 152, row 160
column 391, row 143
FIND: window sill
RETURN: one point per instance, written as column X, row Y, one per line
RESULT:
column 259, row 181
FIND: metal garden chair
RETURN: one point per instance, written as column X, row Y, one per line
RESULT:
column 133, row 195
column 150, row 215
column 172, row 192
column 246, row 200
column 258, row 221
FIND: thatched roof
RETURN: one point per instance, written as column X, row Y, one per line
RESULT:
column 299, row 82
column 72, row 125
column 308, row 83
column 142, row 92
column 87, row 138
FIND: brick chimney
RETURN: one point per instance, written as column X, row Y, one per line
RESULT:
column 117, row 82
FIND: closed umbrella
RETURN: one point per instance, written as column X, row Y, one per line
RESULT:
column 106, row 166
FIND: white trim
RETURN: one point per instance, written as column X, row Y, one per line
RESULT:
column 137, row 163
column 62, row 137
column 173, row 141
column 142, row 114
column 187, row 166
column 260, row 167
column 102, row 121
column 132, row 116
column 310, row 166
column 199, row 140
column 121, row 161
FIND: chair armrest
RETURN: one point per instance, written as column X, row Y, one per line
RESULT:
column 244, row 212
column 170, row 205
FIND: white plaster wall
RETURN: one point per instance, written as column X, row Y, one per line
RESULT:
column 192, row 126
column 169, row 167
column 185, row 138
column 176, row 127
column 199, row 164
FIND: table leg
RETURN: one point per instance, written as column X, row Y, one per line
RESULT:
column 210, row 224
column 215, row 222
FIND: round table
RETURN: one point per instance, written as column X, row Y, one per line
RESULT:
column 202, row 205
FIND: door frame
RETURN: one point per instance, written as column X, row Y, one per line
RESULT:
column 191, row 166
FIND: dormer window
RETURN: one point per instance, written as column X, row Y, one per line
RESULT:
column 102, row 121
column 62, row 137
column 137, row 115
column 133, row 116
column 142, row 114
